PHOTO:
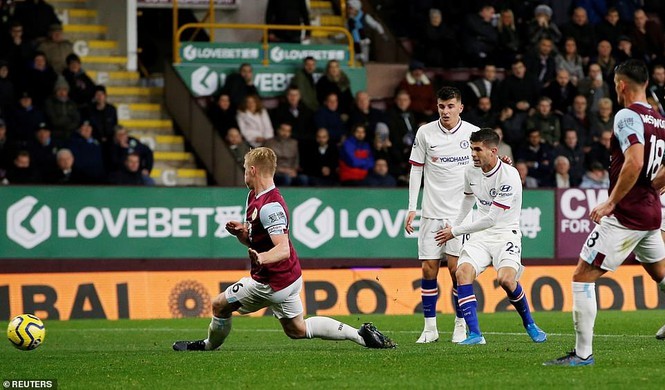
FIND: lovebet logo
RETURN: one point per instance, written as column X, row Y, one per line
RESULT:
column 28, row 225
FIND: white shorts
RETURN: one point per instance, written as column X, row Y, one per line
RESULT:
column 427, row 246
column 610, row 243
column 499, row 251
column 254, row 296
column 662, row 221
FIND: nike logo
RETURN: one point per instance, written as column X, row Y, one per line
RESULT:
column 472, row 184
column 433, row 146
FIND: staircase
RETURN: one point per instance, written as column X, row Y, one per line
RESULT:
column 321, row 13
column 140, row 108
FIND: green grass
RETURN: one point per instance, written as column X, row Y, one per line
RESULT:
column 92, row 354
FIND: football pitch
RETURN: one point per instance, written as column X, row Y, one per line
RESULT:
column 96, row 354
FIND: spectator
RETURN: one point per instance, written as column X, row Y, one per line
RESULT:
column 579, row 120
column 65, row 174
column 546, row 122
column 88, row 154
column 510, row 44
column 519, row 91
column 358, row 24
column 504, row 148
column 538, row 157
column 355, row 158
column 480, row 37
column 61, row 112
column 487, row 85
column 379, row 176
column 35, row 16
column 295, row 113
column 561, row 173
column 21, row 172
column 40, row 80
column 482, row 115
column 513, row 126
column 6, row 89
column 561, row 92
column 571, row 61
column 421, row 91
column 334, row 80
column 130, row 173
column 42, row 151
column 595, row 9
column 287, row 12
column 541, row 65
column 437, row 44
column 237, row 145
column 18, row 51
column 596, row 177
column 657, row 86
column 403, row 127
column 583, row 32
column 542, row 26
column 606, row 61
column 56, row 48
column 571, row 149
column 81, row 87
column 24, row 120
column 600, row 150
column 625, row 49
column 254, row 122
column 320, row 162
column 363, row 113
column 103, row 116
column 647, row 38
column 304, row 80
column 328, row 117
column 222, row 114
column 611, row 28
column 288, row 158
column 124, row 145
column 593, row 87
column 240, row 85
column 603, row 119
column 6, row 150
column 523, row 170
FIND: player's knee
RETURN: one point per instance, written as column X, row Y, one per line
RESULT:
column 220, row 306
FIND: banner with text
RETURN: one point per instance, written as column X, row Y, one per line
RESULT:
column 147, row 295
column 205, row 80
column 278, row 53
column 115, row 222
column 573, row 221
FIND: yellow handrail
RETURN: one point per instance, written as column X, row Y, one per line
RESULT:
column 264, row 28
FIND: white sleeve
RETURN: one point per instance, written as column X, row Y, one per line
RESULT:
column 273, row 218
column 467, row 204
column 628, row 128
column 487, row 221
column 418, row 150
column 371, row 22
column 415, row 178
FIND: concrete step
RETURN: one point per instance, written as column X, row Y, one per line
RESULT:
column 77, row 16
column 84, row 31
column 116, row 78
column 104, row 63
column 163, row 143
column 119, row 95
column 174, row 160
column 179, row 177
column 147, row 123
column 96, row 48
column 140, row 111
column 320, row 8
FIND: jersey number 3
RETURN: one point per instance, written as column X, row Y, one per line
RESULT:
column 655, row 157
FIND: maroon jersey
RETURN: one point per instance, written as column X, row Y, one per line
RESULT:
column 267, row 214
column 640, row 208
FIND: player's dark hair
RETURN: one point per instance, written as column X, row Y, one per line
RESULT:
column 634, row 70
column 487, row 136
column 447, row 93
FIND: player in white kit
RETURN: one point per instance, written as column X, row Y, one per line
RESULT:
column 440, row 154
column 496, row 189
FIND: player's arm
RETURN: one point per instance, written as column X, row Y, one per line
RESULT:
column 273, row 219
column 417, row 161
column 240, row 230
column 658, row 182
column 280, row 251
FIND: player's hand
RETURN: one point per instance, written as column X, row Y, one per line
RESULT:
column 507, row 160
column 235, row 227
column 409, row 220
column 444, row 235
column 254, row 256
column 602, row 210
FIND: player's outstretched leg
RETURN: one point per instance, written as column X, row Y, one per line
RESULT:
column 468, row 304
column 429, row 292
column 218, row 329
column 660, row 335
column 518, row 299
column 329, row 329
column 459, row 331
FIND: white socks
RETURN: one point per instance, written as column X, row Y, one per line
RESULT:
column 584, row 317
column 218, row 329
column 430, row 324
column 329, row 329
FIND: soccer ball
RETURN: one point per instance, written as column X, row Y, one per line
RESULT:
column 26, row 332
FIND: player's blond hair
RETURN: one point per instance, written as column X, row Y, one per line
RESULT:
column 264, row 159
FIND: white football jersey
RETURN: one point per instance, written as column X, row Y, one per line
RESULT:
column 445, row 154
column 501, row 187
